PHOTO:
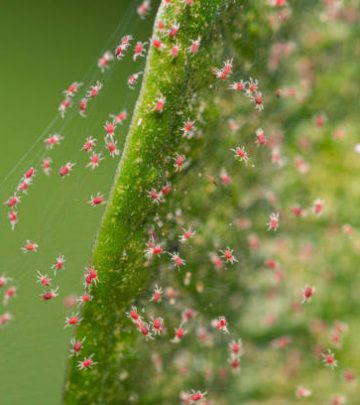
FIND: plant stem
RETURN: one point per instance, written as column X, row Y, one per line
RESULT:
column 119, row 250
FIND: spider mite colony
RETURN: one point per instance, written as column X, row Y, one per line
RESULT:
column 177, row 239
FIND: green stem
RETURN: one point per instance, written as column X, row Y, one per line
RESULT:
column 119, row 250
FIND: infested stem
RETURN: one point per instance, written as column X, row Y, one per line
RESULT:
column 119, row 249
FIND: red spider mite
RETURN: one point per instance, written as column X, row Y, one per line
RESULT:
column 13, row 201
column 76, row 346
column 180, row 332
column 49, row 295
column 126, row 40
column 228, row 255
column 187, row 315
column 179, row 162
column 132, row 80
column 252, row 86
column 241, row 154
column 195, row 45
column 160, row 104
column 273, row 223
column 72, row 320
column 84, row 298
column 318, row 206
column 91, row 276
column 143, row 9
column 24, row 185
column 186, row 235
column 59, row 264
column 133, row 315
column 155, row 196
column 236, row 347
column 5, row 318
column 188, row 129
column 307, row 293
column 112, row 148
column 153, row 249
column 157, row 43
column 225, row 177
column 258, row 100
column 72, row 89
column 64, row 107
column 4, row 280
column 30, row 247
column 119, row 118
column 220, row 324
column 157, row 326
column 43, row 279
column 176, row 260
column 329, row 359
column 192, row 397
column 53, row 140
column 173, row 30
column 110, row 128
column 29, row 174
column 157, row 294
column 9, row 294
column 104, row 61
column 123, row 46
column 94, row 90
column 46, row 166
column 89, row 144
column 302, row 392
column 161, row 25
column 234, row 362
column 166, row 189
column 144, row 329
column 83, row 107
column 174, row 50
column 95, row 160
column 260, row 137
column 238, row 86
column 96, row 200
column 86, row 363
column 226, row 71
column 120, row 51
column 65, row 170
column 139, row 50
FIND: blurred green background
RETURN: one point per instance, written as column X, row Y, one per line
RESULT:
column 46, row 46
